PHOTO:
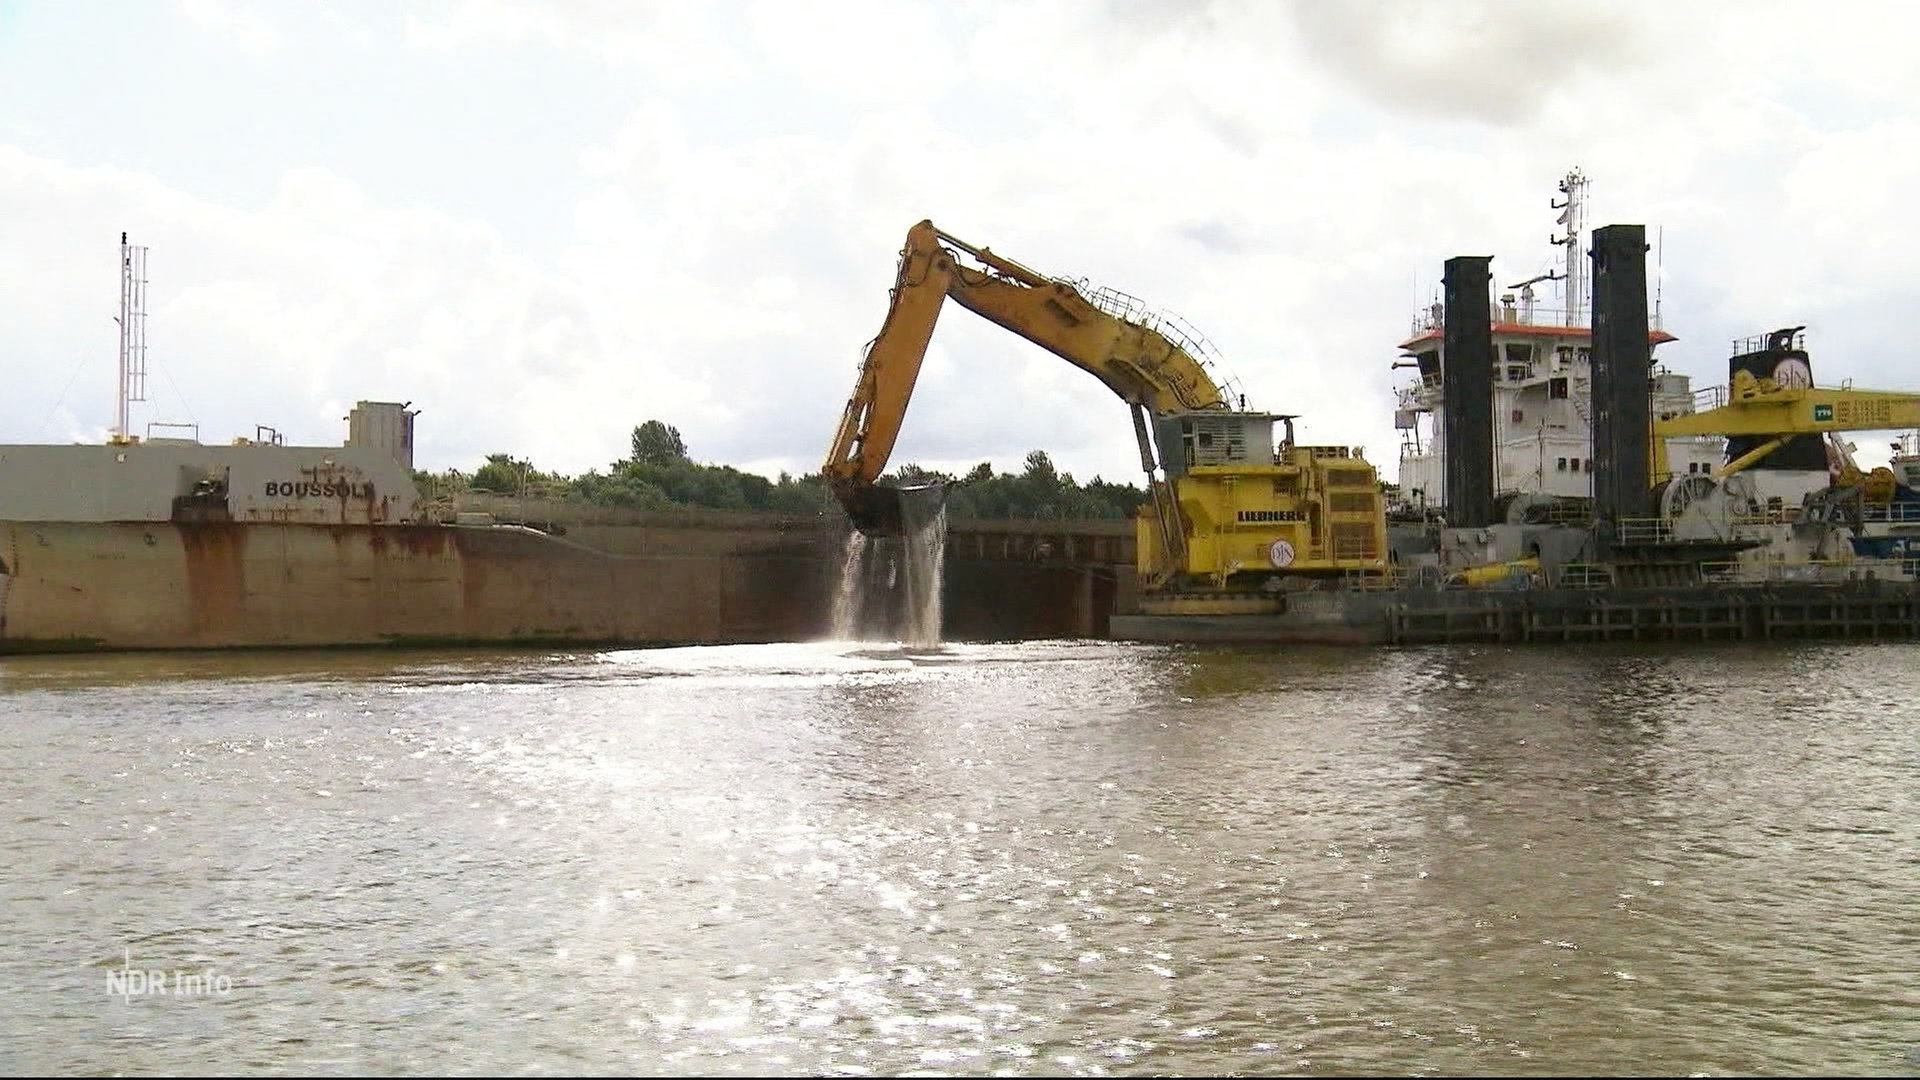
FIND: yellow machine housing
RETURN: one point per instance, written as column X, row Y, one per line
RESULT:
column 1229, row 509
column 1306, row 510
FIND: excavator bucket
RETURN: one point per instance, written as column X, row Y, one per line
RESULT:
column 880, row 510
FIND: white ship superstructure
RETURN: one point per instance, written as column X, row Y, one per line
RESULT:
column 1905, row 459
column 1543, row 414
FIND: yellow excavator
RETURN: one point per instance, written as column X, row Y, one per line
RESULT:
column 1228, row 509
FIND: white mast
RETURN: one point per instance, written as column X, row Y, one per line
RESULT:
column 133, row 336
column 1573, row 214
column 1659, row 271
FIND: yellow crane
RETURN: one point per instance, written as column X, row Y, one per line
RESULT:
column 1761, row 407
column 1228, row 508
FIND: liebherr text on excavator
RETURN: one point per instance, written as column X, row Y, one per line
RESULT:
column 1229, row 510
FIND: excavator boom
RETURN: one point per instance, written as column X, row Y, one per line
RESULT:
column 1136, row 361
column 1229, row 510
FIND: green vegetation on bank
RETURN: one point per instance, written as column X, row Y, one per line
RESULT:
column 660, row 474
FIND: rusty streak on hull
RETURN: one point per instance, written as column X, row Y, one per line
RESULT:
column 225, row 584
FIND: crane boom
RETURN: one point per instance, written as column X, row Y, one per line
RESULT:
column 1137, row 362
column 1763, row 408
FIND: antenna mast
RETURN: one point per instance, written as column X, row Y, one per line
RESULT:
column 1573, row 214
column 133, row 336
column 1659, row 271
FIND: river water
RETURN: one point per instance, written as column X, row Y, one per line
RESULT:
column 1032, row 859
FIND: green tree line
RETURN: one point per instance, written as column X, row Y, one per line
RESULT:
column 660, row 474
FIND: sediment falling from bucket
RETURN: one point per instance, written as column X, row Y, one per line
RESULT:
column 924, row 513
column 846, row 599
column 890, row 586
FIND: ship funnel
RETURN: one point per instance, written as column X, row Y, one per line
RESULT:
column 1622, row 364
column 1466, row 391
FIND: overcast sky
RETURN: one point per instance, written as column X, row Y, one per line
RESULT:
column 546, row 222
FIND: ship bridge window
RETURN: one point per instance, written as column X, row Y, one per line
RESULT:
column 1557, row 388
column 1573, row 464
column 1560, row 464
column 1429, row 362
column 1519, row 359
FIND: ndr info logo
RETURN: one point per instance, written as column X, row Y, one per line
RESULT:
column 131, row 982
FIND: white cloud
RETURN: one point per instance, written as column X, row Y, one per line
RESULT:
column 273, row 315
column 670, row 41
column 1280, row 175
column 237, row 23
column 1478, row 59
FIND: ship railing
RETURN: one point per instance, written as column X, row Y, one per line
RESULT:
column 1712, row 397
column 1891, row 513
column 1392, row 579
column 1434, row 317
column 1570, row 511
column 1584, row 575
column 1667, row 530
column 1820, row 571
column 1421, row 394
column 192, row 430
column 1355, row 550
column 1644, row 531
column 1771, row 516
column 1129, row 308
column 1760, row 343
column 1343, row 551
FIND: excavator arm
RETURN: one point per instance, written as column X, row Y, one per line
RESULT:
column 1138, row 362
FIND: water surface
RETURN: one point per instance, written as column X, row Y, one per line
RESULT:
column 1032, row 859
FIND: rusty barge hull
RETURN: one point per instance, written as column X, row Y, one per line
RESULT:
column 75, row 586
